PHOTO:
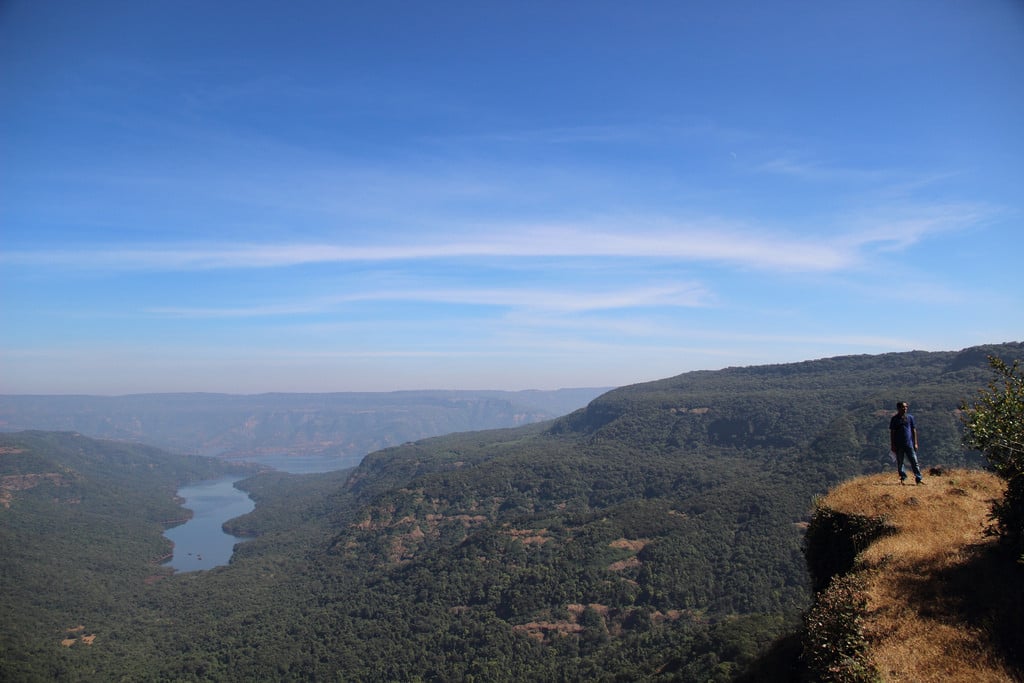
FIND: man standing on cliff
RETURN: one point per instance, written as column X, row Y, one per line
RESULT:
column 903, row 441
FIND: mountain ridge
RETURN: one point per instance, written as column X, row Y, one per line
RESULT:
column 656, row 534
column 341, row 424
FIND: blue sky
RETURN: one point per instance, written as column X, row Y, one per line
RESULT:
column 337, row 196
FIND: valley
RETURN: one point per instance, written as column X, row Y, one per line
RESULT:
column 655, row 534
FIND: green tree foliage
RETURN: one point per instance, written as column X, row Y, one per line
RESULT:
column 654, row 535
column 835, row 647
column 995, row 425
column 995, row 422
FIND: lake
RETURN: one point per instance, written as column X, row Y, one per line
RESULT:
column 200, row 543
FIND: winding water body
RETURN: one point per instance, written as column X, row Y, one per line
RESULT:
column 200, row 543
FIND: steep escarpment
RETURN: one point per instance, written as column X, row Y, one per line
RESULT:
column 910, row 587
column 656, row 535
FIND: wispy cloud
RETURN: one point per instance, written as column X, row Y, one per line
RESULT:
column 810, row 170
column 703, row 241
column 711, row 242
column 644, row 132
column 895, row 227
column 537, row 299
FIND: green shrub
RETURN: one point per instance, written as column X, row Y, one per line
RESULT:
column 994, row 424
column 834, row 644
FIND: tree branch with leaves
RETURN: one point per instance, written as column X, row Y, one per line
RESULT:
column 994, row 425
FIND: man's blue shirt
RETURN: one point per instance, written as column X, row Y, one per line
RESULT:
column 902, row 429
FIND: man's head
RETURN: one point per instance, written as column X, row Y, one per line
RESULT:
column 902, row 407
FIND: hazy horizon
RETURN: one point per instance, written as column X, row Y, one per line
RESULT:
column 314, row 393
column 335, row 197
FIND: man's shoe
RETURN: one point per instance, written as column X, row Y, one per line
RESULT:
column 920, row 481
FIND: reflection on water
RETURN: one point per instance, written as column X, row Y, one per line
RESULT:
column 200, row 543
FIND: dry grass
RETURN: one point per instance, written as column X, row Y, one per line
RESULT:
column 929, row 575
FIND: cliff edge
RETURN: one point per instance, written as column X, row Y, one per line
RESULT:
column 909, row 587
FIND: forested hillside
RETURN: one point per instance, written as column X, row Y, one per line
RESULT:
column 655, row 534
column 347, row 425
column 81, row 525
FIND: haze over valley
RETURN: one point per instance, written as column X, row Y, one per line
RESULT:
column 339, row 426
column 655, row 533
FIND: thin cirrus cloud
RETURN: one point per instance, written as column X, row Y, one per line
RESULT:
column 893, row 227
column 723, row 245
column 818, row 172
column 670, row 295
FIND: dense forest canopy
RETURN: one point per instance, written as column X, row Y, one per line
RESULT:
column 656, row 533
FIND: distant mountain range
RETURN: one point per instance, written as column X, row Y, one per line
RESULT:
column 655, row 534
column 337, row 424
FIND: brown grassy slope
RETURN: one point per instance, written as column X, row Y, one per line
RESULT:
column 934, row 586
